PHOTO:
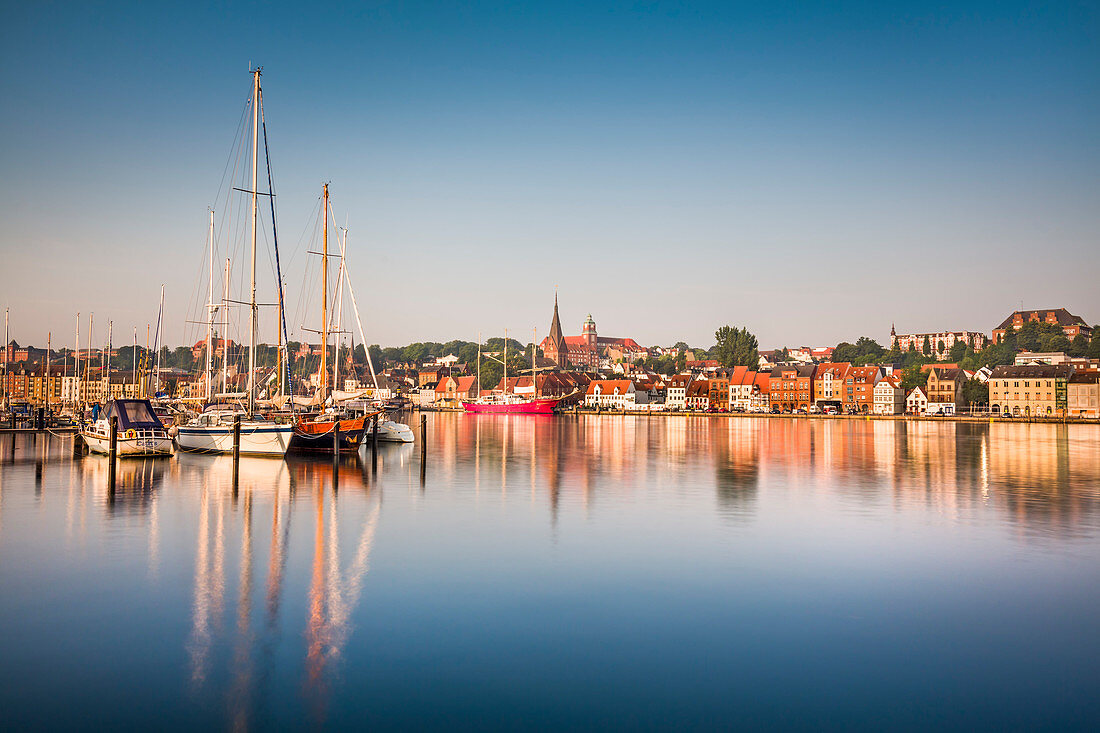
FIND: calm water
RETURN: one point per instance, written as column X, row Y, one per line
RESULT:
column 569, row 572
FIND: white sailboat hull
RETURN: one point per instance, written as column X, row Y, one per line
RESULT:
column 263, row 439
column 391, row 432
column 140, row 446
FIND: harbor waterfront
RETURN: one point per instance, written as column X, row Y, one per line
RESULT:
column 563, row 572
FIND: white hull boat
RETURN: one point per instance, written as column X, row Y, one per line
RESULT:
column 258, row 438
column 129, row 443
column 140, row 432
column 391, row 432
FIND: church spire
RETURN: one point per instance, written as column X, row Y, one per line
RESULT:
column 556, row 337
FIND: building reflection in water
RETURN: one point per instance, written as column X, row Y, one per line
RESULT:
column 1037, row 479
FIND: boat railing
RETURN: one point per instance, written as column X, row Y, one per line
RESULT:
column 130, row 433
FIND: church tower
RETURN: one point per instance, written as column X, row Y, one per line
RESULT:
column 556, row 340
column 588, row 331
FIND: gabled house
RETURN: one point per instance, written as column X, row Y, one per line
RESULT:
column 698, row 395
column 916, row 403
column 676, row 391
column 889, row 396
column 611, row 393
column 945, row 386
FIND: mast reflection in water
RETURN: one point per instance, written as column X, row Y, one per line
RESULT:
column 560, row 572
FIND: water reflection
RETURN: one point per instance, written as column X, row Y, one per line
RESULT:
column 278, row 563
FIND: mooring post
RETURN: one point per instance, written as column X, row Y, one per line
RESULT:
column 236, row 452
column 423, row 447
column 374, row 443
column 335, row 454
column 113, row 453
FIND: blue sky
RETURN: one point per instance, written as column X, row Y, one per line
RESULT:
column 815, row 172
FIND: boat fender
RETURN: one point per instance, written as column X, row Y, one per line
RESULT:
column 130, row 433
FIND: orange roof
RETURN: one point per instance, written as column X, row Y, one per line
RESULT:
column 612, row 386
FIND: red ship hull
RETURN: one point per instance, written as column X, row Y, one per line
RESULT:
column 530, row 407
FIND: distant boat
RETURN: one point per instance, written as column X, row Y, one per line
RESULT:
column 505, row 403
column 140, row 432
column 513, row 404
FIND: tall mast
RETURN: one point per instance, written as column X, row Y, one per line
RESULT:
column 339, row 313
column 534, row 374
column 359, row 322
column 252, row 277
column 133, row 374
column 76, row 363
column 110, row 326
column 225, row 330
column 279, row 348
column 211, row 309
column 87, row 369
column 156, row 341
column 324, row 294
column 479, row 363
column 506, row 361
column 7, row 352
column 46, row 383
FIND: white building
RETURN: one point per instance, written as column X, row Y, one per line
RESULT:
column 915, row 341
column 889, row 397
column 676, row 391
column 917, row 402
column 616, row 394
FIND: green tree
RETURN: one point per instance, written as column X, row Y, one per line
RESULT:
column 926, row 349
column 1094, row 345
column 957, row 352
column 912, row 377
column 940, row 346
column 976, row 392
column 1079, row 346
column 736, row 347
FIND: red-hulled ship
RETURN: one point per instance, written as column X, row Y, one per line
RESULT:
column 513, row 404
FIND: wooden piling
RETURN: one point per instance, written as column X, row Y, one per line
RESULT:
column 236, row 452
column 112, row 453
column 423, row 448
column 336, row 454
column 374, row 444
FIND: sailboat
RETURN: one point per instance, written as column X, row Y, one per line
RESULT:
column 314, row 433
column 510, row 403
column 213, row 430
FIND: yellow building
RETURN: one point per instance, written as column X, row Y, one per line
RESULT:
column 1083, row 395
column 1032, row 390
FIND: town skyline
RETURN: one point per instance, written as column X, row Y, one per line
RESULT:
column 712, row 164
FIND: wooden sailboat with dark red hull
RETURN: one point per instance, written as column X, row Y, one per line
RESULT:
column 315, row 436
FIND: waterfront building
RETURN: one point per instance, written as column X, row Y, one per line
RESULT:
column 1035, row 389
column 889, row 396
column 1083, row 394
column 698, row 395
column 617, row 394
column 745, row 392
column 761, row 395
column 676, row 391
column 916, row 402
column 1071, row 325
column 792, row 387
column 859, row 388
column 453, row 391
column 829, row 383
column 945, row 386
column 939, row 342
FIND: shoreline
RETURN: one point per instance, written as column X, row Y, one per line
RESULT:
column 733, row 415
